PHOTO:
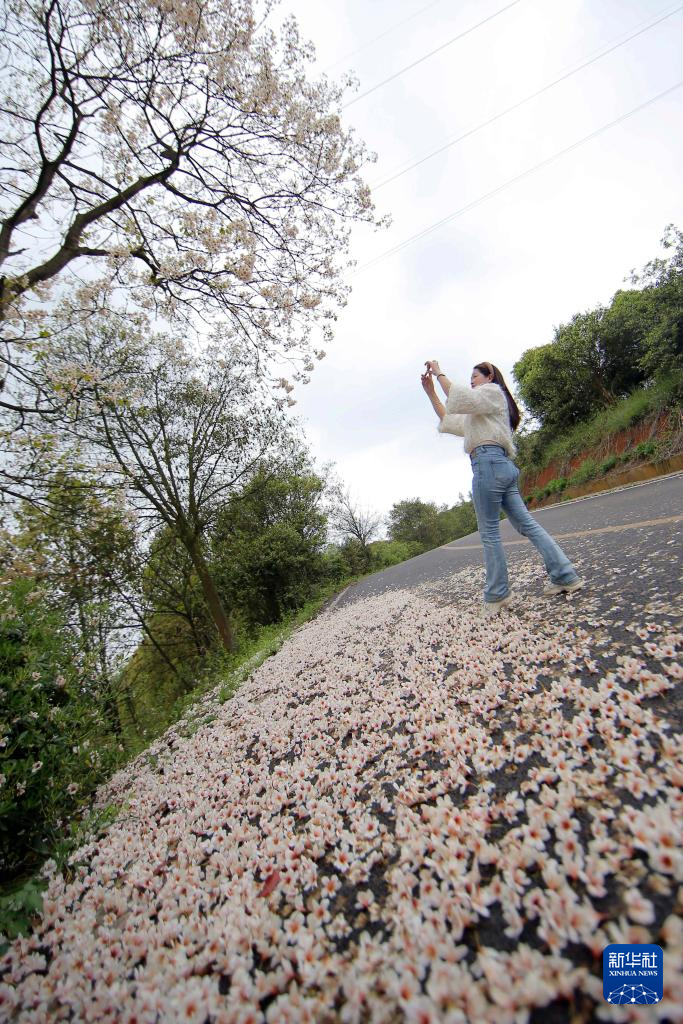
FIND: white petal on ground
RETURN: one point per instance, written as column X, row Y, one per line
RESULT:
column 410, row 812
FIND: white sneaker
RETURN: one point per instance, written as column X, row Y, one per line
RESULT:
column 495, row 607
column 562, row 588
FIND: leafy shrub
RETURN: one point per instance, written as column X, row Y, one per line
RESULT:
column 556, row 485
column 608, row 463
column 18, row 907
column 644, row 450
column 22, row 901
column 385, row 553
column 54, row 746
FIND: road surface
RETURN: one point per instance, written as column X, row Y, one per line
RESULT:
column 624, row 527
column 410, row 813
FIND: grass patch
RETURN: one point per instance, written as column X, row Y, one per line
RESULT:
column 588, row 470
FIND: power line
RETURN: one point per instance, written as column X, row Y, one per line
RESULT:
column 518, row 177
column 420, row 60
column 527, row 99
column 388, row 31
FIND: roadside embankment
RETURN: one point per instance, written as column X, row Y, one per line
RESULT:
column 650, row 448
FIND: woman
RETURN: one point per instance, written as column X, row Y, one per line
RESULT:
column 485, row 414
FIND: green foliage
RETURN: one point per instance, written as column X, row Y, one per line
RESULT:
column 588, row 470
column 426, row 525
column 335, row 567
column 385, row 553
column 644, row 450
column 157, row 675
column 419, row 522
column 54, row 743
column 537, row 449
column 591, row 362
column 605, row 354
column 80, row 543
column 356, row 557
column 267, row 544
column 608, row 463
column 663, row 289
column 18, row 906
column 171, row 588
column 460, row 520
column 22, row 900
column 85, row 536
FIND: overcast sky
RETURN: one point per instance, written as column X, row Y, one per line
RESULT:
column 498, row 278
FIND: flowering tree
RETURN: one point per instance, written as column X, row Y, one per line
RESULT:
column 175, row 158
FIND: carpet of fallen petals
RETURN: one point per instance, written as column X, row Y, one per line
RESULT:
column 410, row 813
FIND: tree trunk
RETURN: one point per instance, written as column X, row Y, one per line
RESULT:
column 111, row 708
column 213, row 600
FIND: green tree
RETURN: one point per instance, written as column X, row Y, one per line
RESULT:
column 603, row 355
column 428, row 525
column 592, row 361
column 460, row 520
column 662, row 283
column 171, row 591
column 357, row 557
column 180, row 431
column 82, row 545
column 418, row 521
column 268, row 541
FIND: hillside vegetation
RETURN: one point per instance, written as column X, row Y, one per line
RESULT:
column 607, row 368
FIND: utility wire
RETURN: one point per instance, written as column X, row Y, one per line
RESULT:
column 518, row 177
column 527, row 99
column 449, row 42
column 388, row 31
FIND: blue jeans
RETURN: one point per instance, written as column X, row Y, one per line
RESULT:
column 494, row 486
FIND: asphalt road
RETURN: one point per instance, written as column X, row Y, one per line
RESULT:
column 632, row 529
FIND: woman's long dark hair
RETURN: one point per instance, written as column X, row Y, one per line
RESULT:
column 488, row 369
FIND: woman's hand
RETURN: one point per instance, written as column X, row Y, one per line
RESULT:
column 428, row 383
column 433, row 367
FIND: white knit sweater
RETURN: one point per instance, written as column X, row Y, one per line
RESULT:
column 479, row 415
